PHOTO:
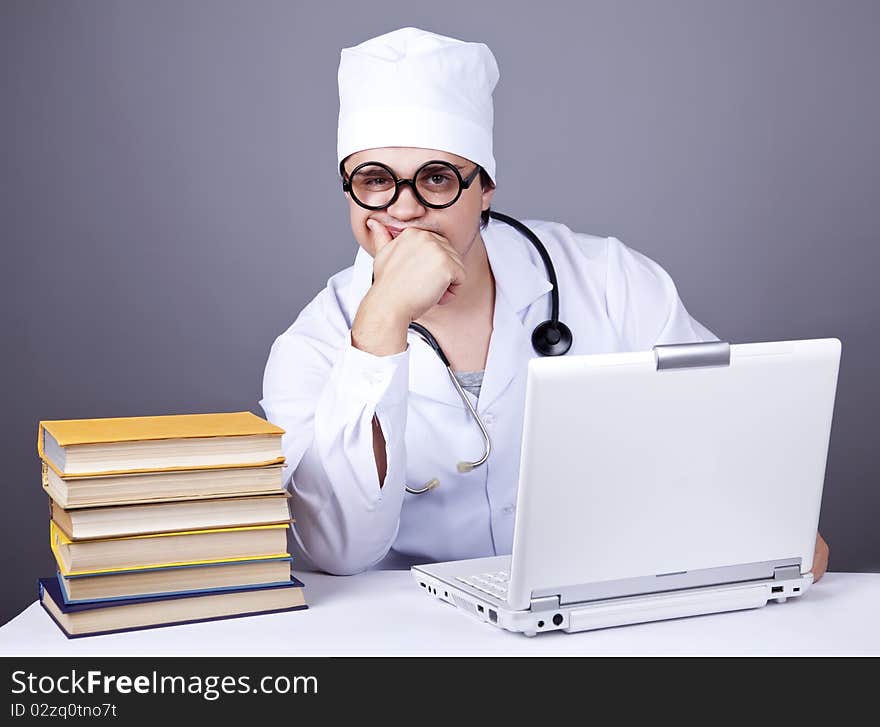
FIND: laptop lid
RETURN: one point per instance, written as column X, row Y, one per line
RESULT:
column 680, row 460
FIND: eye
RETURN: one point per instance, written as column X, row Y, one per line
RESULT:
column 374, row 180
column 436, row 177
column 377, row 181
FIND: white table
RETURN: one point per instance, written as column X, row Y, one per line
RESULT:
column 386, row 613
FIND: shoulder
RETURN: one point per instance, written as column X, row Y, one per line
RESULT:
column 331, row 306
column 639, row 296
column 561, row 240
column 617, row 261
column 321, row 327
column 598, row 249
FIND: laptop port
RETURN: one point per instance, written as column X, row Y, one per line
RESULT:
column 557, row 619
column 493, row 616
column 479, row 608
column 776, row 589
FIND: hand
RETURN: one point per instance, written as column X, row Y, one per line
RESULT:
column 820, row 558
column 414, row 271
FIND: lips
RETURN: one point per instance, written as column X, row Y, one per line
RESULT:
column 394, row 231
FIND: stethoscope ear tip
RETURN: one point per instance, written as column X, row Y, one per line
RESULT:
column 429, row 485
column 465, row 466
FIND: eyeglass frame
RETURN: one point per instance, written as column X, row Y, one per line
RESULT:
column 463, row 183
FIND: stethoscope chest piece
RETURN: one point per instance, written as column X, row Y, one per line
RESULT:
column 551, row 338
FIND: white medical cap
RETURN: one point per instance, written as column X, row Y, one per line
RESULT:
column 410, row 87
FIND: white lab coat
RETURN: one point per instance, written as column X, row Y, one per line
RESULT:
column 323, row 393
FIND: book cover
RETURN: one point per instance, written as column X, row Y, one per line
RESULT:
column 186, row 592
column 73, row 432
column 115, row 521
column 71, row 576
column 77, row 492
column 51, row 587
column 57, row 538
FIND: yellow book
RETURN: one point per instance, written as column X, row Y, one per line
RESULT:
column 133, row 488
column 160, row 550
column 94, row 447
column 96, row 523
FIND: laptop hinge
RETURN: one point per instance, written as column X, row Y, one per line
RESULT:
column 786, row 572
column 547, row 603
column 692, row 355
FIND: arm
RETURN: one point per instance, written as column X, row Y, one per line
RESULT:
column 326, row 395
column 341, row 396
column 375, row 331
column 820, row 558
column 379, row 450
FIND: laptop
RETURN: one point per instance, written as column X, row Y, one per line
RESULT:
column 680, row 481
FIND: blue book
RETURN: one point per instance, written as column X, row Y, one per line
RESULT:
column 186, row 579
column 108, row 617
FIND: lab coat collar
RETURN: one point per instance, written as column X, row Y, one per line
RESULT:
column 517, row 267
column 520, row 280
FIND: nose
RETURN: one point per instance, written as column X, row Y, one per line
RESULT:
column 407, row 205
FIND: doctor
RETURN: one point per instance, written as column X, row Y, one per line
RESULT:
column 368, row 407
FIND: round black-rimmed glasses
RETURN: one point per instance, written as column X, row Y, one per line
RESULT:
column 436, row 184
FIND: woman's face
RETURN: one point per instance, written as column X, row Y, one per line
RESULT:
column 459, row 223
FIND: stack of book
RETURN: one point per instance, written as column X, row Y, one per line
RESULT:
column 165, row 520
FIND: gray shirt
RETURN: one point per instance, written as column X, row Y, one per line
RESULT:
column 470, row 381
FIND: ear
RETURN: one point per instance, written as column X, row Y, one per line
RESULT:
column 487, row 194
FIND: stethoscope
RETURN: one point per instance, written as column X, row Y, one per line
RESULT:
column 550, row 338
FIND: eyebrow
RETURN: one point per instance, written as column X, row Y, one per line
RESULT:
column 460, row 167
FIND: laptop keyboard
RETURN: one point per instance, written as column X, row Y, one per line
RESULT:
column 495, row 584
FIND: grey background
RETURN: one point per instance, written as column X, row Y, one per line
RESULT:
column 169, row 200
